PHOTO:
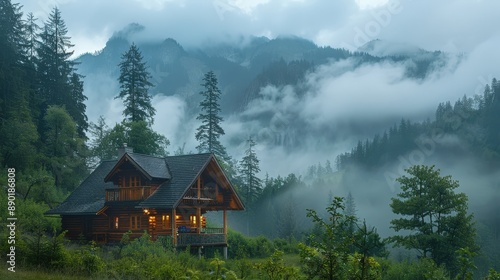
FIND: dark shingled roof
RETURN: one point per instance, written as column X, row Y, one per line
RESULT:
column 156, row 167
column 180, row 172
column 88, row 198
column 184, row 169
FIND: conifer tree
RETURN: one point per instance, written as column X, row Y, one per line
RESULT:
column 249, row 166
column 18, row 134
column 54, row 65
column 134, row 85
column 434, row 215
column 59, row 85
column 31, row 37
column 209, row 132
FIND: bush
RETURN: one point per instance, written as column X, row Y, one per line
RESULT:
column 422, row 269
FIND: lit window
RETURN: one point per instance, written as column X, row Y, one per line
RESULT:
column 192, row 218
column 116, row 222
column 165, row 220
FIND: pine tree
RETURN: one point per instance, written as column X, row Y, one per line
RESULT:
column 435, row 216
column 209, row 132
column 54, row 66
column 350, row 210
column 76, row 106
column 31, row 37
column 59, row 85
column 134, row 85
column 249, row 165
column 18, row 134
column 98, row 132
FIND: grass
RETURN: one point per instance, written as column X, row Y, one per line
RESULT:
column 36, row 275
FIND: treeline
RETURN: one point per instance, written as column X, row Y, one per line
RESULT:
column 474, row 120
column 42, row 112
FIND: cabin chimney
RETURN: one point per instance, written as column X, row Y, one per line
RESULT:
column 124, row 149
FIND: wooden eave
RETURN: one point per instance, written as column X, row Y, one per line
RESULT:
column 123, row 159
column 219, row 175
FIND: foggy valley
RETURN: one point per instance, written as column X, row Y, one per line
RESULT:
column 333, row 99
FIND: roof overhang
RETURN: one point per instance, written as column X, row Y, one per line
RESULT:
column 123, row 159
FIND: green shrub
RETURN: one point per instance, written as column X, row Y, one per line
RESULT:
column 423, row 269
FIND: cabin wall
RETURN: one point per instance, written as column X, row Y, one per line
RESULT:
column 74, row 226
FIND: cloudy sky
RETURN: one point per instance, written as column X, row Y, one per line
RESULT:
column 452, row 25
column 470, row 27
column 456, row 26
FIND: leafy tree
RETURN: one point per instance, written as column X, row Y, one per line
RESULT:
column 466, row 264
column 274, row 268
column 209, row 132
column 145, row 140
column 64, row 150
column 249, row 168
column 327, row 254
column 435, row 216
column 134, row 85
column 138, row 135
column 367, row 244
column 493, row 275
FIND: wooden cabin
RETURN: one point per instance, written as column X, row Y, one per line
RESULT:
column 162, row 196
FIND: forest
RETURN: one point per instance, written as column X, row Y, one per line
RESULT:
column 295, row 226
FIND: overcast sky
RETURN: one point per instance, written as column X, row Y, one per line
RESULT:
column 452, row 25
column 458, row 26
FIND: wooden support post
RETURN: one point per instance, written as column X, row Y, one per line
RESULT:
column 199, row 187
column 224, row 250
column 224, row 214
column 174, row 228
column 198, row 219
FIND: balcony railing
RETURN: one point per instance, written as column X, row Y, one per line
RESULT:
column 128, row 194
column 202, row 239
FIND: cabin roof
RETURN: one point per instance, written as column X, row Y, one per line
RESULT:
column 150, row 166
column 90, row 195
column 179, row 173
column 186, row 169
column 156, row 167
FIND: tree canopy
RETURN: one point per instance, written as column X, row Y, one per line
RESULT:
column 434, row 215
column 209, row 132
column 134, row 86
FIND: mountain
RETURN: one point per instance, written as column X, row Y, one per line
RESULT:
column 242, row 69
column 252, row 73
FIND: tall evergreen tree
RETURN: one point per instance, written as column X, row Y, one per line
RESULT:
column 18, row 133
column 31, row 37
column 209, row 132
column 249, row 165
column 134, row 85
column 76, row 106
column 98, row 132
column 59, row 85
column 54, row 65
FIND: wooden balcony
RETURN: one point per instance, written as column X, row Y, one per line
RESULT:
column 208, row 236
column 128, row 194
column 205, row 196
